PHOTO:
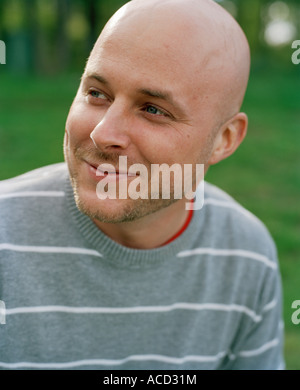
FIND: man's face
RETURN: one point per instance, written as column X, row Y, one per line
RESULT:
column 139, row 99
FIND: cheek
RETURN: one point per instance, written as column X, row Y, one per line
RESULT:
column 66, row 140
column 199, row 145
column 168, row 148
column 158, row 149
column 78, row 125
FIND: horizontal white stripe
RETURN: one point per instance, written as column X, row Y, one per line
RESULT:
column 26, row 194
column 117, row 362
column 229, row 252
column 139, row 358
column 254, row 352
column 136, row 309
column 229, row 204
column 49, row 249
column 270, row 305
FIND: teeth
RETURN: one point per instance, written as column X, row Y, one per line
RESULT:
column 103, row 173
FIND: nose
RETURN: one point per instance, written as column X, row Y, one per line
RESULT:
column 112, row 130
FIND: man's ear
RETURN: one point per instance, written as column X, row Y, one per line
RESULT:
column 229, row 137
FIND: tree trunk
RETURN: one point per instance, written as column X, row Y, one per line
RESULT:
column 63, row 45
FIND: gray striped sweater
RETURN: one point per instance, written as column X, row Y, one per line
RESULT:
column 75, row 299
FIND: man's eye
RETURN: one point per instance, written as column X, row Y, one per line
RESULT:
column 97, row 95
column 155, row 111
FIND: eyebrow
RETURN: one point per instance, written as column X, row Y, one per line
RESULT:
column 159, row 94
column 96, row 76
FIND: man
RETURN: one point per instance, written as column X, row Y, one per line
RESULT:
column 123, row 282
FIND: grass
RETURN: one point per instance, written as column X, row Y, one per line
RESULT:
column 263, row 175
column 33, row 113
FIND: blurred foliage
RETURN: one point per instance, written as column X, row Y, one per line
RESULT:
column 51, row 36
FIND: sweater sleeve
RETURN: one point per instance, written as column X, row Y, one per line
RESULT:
column 261, row 344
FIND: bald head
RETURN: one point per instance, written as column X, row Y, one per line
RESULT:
column 198, row 35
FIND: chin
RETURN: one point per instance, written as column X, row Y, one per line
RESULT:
column 118, row 210
column 107, row 210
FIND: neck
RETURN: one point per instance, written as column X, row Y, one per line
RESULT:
column 149, row 232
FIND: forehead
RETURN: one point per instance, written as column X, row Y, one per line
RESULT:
column 147, row 62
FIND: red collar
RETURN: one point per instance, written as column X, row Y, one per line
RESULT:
column 184, row 227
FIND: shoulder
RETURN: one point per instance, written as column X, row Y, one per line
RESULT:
column 229, row 220
column 28, row 194
column 224, row 206
column 31, row 203
column 44, row 178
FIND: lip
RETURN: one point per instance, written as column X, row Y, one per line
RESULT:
column 98, row 174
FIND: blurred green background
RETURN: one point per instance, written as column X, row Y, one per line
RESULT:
column 47, row 44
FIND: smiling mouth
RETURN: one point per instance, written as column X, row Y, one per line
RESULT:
column 104, row 170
